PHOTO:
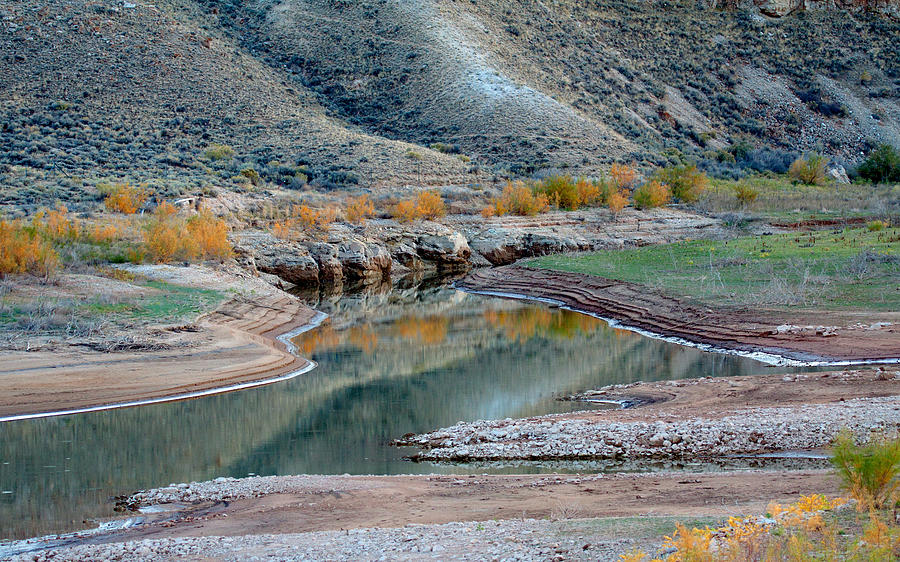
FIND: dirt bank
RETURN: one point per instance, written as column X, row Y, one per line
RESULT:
column 804, row 335
column 297, row 512
column 233, row 345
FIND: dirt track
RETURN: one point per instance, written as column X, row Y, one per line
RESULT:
column 802, row 335
column 234, row 344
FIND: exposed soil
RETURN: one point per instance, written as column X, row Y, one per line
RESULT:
column 804, row 335
column 307, row 504
column 234, row 344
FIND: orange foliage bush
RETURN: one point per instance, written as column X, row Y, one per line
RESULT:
column 430, row 205
column 304, row 219
column 102, row 233
column 406, row 211
column 591, row 192
column 22, row 250
column 622, row 175
column 56, row 225
column 209, row 235
column 426, row 205
column 125, row 199
column 164, row 234
column 516, row 199
column 618, row 199
column 652, row 194
column 359, row 209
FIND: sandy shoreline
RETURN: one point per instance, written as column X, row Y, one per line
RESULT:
column 235, row 346
column 806, row 337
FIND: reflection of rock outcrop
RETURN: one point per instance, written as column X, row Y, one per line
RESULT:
column 391, row 363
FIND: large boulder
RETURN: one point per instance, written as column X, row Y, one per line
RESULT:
column 364, row 261
column 330, row 268
column 498, row 246
column 290, row 261
column 445, row 250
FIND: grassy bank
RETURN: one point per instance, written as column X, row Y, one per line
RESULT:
column 779, row 198
column 86, row 307
column 833, row 269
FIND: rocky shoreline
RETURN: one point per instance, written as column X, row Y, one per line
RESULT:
column 384, row 248
column 748, row 432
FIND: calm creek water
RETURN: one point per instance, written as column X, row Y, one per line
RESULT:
column 390, row 362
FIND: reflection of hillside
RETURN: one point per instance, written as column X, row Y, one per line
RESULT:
column 409, row 362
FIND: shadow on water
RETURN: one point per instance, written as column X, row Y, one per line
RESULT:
column 391, row 361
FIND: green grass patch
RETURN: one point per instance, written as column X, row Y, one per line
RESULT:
column 834, row 269
column 167, row 304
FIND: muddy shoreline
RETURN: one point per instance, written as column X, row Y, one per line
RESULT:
column 802, row 338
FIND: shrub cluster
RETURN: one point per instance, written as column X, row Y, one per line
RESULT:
column 303, row 218
column 809, row 170
column 23, row 250
column 426, row 205
column 516, row 199
column 125, row 198
column 685, row 181
column 168, row 236
column 651, row 194
column 881, row 166
column 359, row 209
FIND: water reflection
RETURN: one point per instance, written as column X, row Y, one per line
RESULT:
column 391, row 362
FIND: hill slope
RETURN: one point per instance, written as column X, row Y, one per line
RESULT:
column 333, row 91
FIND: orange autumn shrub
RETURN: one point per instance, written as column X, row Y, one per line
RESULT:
column 406, row 211
column 164, row 234
column 304, row 219
column 56, row 224
column 359, row 209
column 652, row 194
column 618, row 199
column 22, row 250
column 125, row 198
column 103, row 233
column 430, row 205
column 622, row 175
column 517, row 199
column 209, row 234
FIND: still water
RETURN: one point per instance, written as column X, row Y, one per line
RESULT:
column 390, row 362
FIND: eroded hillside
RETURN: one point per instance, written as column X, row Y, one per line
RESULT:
column 343, row 94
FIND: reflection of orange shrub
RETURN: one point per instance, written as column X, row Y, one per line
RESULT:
column 325, row 337
column 322, row 338
column 125, row 198
column 23, row 251
column 524, row 324
column 427, row 330
column 363, row 338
